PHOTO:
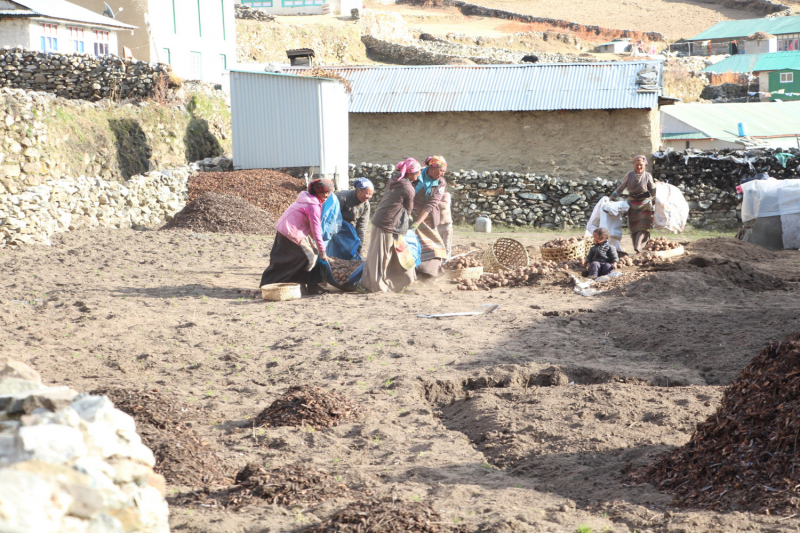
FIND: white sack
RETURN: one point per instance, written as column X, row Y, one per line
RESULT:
column 607, row 214
column 670, row 210
column 594, row 220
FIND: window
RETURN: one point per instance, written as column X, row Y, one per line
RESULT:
column 101, row 35
column 77, row 36
column 196, row 66
column 300, row 3
column 258, row 3
column 49, row 39
column 787, row 77
column 167, row 56
column 223, row 60
column 101, row 49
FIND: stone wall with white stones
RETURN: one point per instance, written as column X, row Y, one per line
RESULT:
column 33, row 214
column 72, row 462
column 518, row 199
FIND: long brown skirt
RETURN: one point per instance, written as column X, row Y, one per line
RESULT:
column 382, row 271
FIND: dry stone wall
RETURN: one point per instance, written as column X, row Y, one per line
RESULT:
column 78, row 76
column 512, row 198
column 33, row 214
column 72, row 462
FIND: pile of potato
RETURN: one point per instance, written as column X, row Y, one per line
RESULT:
column 562, row 243
column 660, row 244
column 343, row 268
column 643, row 260
column 465, row 261
column 506, row 278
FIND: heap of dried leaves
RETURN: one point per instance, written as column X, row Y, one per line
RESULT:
column 182, row 457
column 746, row 455
column 269, row 190
column 380, row 516
column 221, row 213
column 306, row 405
column 317, row 72
column 286, row 485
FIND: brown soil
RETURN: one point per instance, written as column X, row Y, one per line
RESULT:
column 307, row 406
column 159, row 311
column 221, row 213
column 388, row 515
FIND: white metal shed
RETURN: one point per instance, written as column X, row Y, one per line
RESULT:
column 284, row 120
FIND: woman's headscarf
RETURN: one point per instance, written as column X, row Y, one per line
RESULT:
column 645, row 164
column 409, row 166
column 362, row 183
column 436, row 161
column 320, row 186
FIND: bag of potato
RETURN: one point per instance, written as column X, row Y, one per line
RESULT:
column 671, row 209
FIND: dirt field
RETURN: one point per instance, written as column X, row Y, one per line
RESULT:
column 674, row 18
column 517, row 421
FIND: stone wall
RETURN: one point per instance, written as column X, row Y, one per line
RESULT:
column 569, row 144
column 47, row 137
column 480, row 11
column 247, row 13
column 519, row 199
column 33, row 214
column 78, row 76
column 72, row 462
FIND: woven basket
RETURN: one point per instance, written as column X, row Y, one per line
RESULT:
column 577, row 251
column 505, row 254
column 461, row 274
column 277, row 292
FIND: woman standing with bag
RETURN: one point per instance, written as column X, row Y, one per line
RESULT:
column 641, row 191
column 387, row 266
column 298, row 241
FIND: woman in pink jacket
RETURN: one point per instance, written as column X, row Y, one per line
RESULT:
column 298, row 241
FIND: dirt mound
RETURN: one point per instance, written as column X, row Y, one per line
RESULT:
column 745, row 456
column 269, row 190
column 220, row 213
column 306, row 405
column 285, row 485
column 664, row 285
column 729, row 248
column 182, row 457
column 380, row 516
column 734, row 272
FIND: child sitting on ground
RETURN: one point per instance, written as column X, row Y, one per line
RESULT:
column 602, row 256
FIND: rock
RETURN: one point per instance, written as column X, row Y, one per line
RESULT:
column 19, row 370
column 30, row 503
column 13, row 386
column 50, row 443
column 570, row 199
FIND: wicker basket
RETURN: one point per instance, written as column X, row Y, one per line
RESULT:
column 505, row 254
column 461, row 274
column 577, row 251
column 277, row 292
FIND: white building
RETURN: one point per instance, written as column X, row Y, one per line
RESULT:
column 58, row 26
column 196, row 37
column 617, row 46
column 305, row 7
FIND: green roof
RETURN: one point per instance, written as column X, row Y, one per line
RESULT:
column 684, row 136
column 757, row 62
column 721, row 121
column 731, row 29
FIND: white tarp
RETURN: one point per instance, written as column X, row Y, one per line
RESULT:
column 671, row 211
column 770, row 198
column 607, row 214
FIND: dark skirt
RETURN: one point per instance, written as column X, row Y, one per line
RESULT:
column 288, row 264
column 640, row 216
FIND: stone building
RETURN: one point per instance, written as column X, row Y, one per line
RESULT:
column 59, row 26
column 196, row 37
column 570, row 120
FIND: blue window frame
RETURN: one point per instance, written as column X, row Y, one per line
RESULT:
column 301, row 3
column 49, row 44
column 257, row 3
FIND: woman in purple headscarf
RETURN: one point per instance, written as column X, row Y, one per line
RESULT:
column 298, row 241
column 387, row 266
column 355, row 207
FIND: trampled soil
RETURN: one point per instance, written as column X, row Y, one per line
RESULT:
column 520, row 420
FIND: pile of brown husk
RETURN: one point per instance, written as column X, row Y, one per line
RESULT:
column 164, row 424
column 270, row 190
column 306, row 405
column 746, row 455
column 286, row 485
column 386, row 515
column 317, row 72
column 221, row 213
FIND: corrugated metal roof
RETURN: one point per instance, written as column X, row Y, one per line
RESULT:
column 545, row 87
column 684, row 136
column 62, row 10
column 757, row 62
column 720, row 121
column 730, row 29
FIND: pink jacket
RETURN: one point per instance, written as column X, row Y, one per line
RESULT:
column 302, row 219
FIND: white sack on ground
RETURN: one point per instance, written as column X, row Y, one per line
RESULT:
column 770, row 198
column 671, row 209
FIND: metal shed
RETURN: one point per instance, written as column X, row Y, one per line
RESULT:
column 283, row 120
